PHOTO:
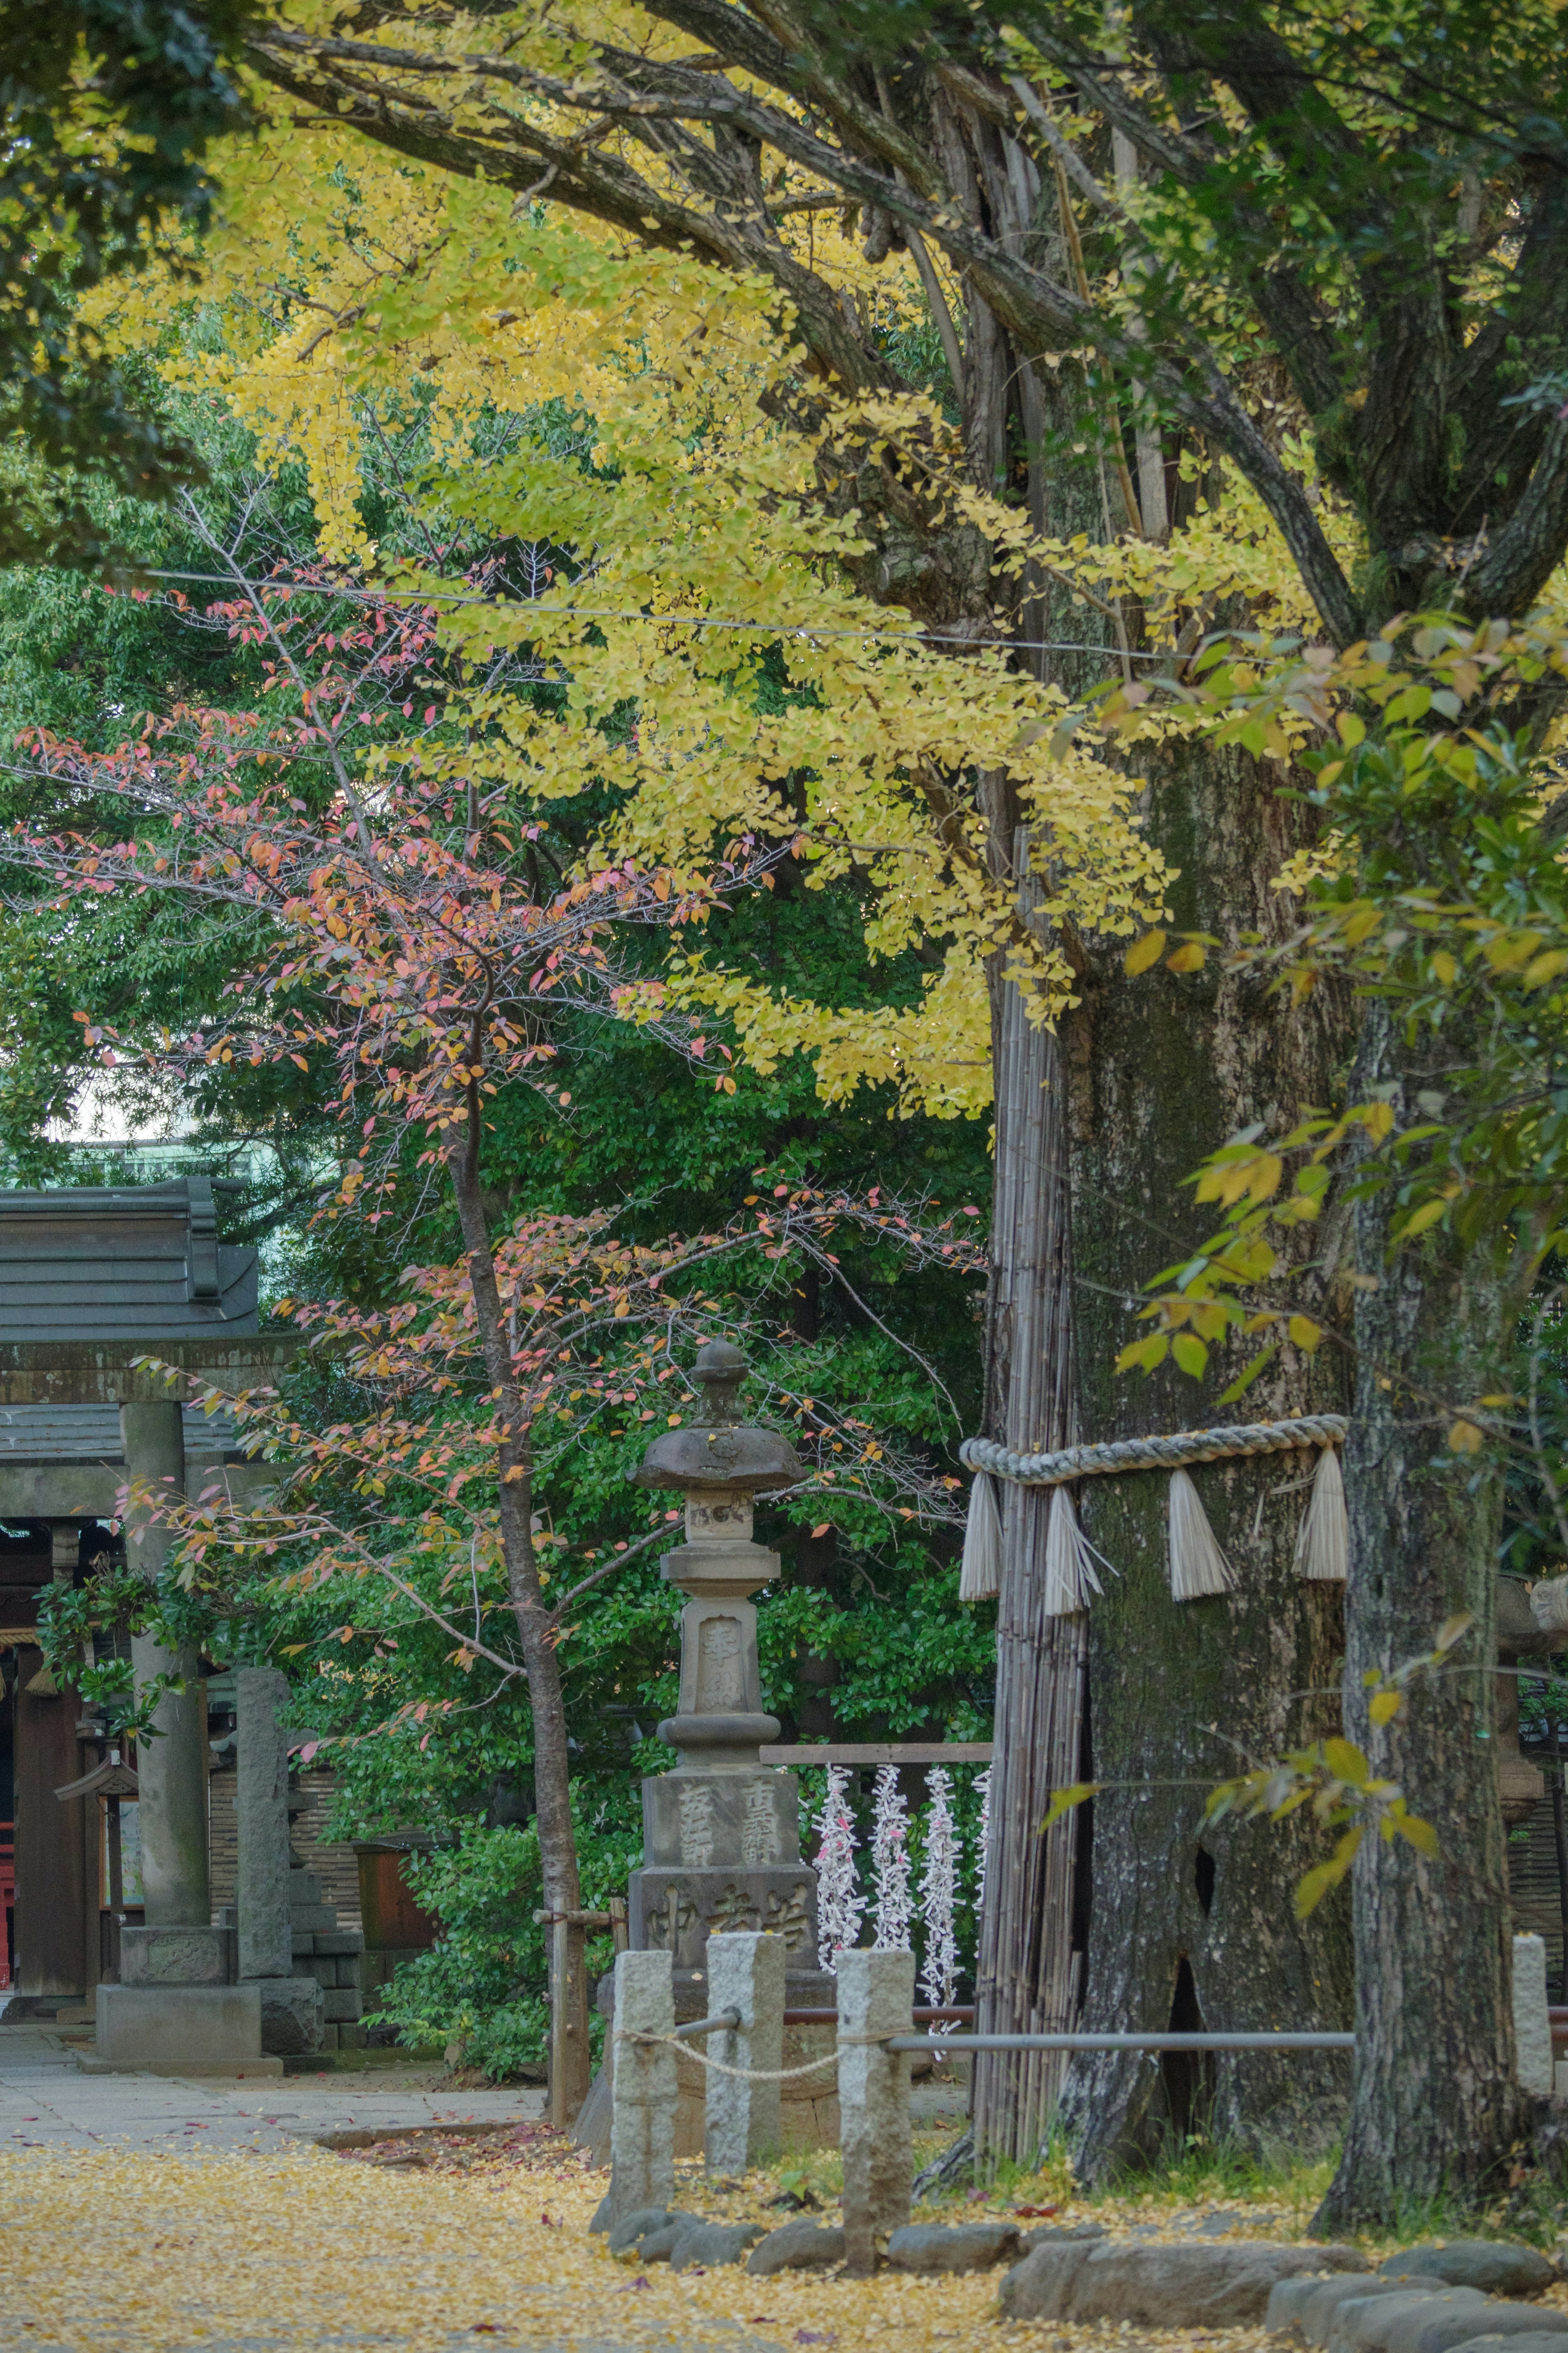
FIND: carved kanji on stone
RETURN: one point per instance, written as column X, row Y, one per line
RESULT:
column 734, row 1909
column 759, row 1826
column 788, row 1917
column 696, row 1828
column 670, row 1921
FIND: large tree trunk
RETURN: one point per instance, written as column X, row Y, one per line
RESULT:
column 1027, row 1981
column 1436, row 2105
column 1191, row 1928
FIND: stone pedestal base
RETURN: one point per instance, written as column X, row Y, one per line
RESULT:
column 677, row 1910
column 174, row 2029
column 176, row 1957
column 293, row 2013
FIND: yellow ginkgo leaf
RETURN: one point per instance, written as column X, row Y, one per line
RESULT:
column 1064, row 1800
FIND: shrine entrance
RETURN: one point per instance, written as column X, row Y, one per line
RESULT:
column 89, row 1279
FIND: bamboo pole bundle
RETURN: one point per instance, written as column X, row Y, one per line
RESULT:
column 1027, row 1974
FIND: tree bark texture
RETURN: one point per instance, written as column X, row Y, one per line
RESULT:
column 1193, row 1928
column 1027, row 1975
column 552, row 1760
column 551, row 1776
column 1436, row 2105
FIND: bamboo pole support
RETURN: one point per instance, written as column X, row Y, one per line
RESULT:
column 570, row 2064
column 1028, row 1976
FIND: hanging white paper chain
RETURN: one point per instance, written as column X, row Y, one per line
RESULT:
column 938, row 1893
column 839, row 1902
column 895, row 1903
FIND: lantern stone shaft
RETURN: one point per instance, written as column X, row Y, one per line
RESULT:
column 721, row 1832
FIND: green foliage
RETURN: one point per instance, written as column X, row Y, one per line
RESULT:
column 482, row 1985
column 109, row 108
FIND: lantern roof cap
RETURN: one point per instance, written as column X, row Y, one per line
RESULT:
column 719, row 1449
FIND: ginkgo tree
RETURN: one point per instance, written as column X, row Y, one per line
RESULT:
column 1304, row 256
column 816, row 723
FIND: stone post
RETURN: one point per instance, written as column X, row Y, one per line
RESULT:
column 261, row 1809
column 172, row 1769
column 745, row 1974
column 1531, row 2019
column 642, row 2116
column 292, row 2007
column 876, row 1997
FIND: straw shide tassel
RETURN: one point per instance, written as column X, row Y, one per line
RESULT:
column 980, row 1577
column 1323, row 1539
column 1070, row 1574
column 1197, row 1564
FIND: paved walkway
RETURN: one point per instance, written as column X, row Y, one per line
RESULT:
column 46, row 2102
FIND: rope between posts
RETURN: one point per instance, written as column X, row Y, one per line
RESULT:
column 1153, row 1454
column 746, row 2074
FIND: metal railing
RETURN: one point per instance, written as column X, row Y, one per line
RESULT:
column 961, row 2042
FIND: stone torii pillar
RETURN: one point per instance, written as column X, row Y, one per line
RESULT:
column 172, row 1768
column 175, row 2010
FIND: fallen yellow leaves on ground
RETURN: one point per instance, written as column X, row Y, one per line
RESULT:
column 485, row 2237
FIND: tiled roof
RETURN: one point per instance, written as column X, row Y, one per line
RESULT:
column 120, row 1262
column 91, row 1433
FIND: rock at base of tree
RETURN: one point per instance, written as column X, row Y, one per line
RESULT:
column 1212, row 2285
column 800, row 2246
column 633, row 2227
column 1309, row 2306
column 1450, row 2310
column 1365, row 2324
column 951, row 2247
column 1061, row 2234
column 1288, row 2302
column 650, row 2243
column 1501, row 2322
column 1538, row 2340
column 1497, row 2266
column 707, row 2245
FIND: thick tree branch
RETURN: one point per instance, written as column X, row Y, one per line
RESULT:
column 1039, row 313
column 1520, row 559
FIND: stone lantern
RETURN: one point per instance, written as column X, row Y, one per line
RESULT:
column 721, row 1832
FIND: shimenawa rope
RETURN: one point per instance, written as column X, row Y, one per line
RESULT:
column 1153, row 1454
column 1198, row 1566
